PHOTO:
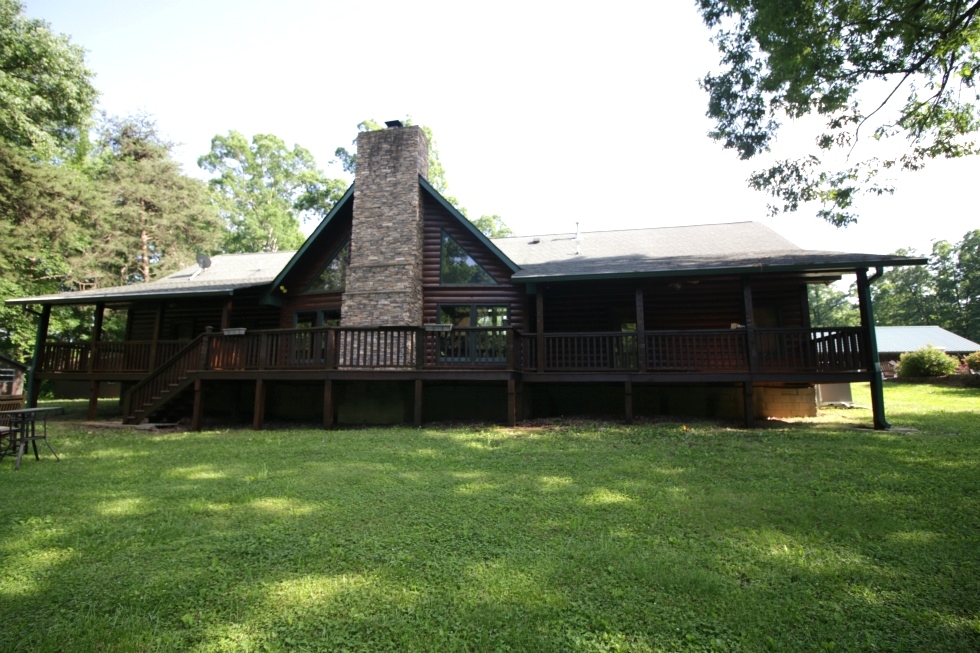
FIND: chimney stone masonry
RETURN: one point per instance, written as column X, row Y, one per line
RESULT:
column 384, row 280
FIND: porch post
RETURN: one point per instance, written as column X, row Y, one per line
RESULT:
column 641, row 341
column 752, row 351
column 871, row 340
column 539, row 310
column 33, row 383
column 157, row 320
column 417, row 416
column 226, row 315
column 258, row 411
column 748, row 397
column 628, row 392
column 198, row 407
column 511, row 402
column 93, row 397
column 328, row 407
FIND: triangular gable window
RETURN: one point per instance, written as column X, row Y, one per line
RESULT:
column 333, row 276
column 457, row 267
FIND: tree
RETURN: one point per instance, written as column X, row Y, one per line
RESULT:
column 264, row 189
column 831, row 307
column 789, row 59
column 158, row 218
column 946, row 292
column 46, row 218
column 905, row 296
column 46, row 94
column 491, row 225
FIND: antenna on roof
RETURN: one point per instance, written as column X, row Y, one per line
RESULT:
column 203, row 263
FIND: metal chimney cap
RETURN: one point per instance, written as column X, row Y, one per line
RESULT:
column 393, row 124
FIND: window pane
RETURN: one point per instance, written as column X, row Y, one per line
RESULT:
column 333, row 277
column 456, row 266
column 491, row 316
column 455, row 315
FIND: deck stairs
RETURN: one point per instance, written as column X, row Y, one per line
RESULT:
column 165, row 383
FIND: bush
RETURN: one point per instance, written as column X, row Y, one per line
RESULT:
column 927, row 361
column 973, row 361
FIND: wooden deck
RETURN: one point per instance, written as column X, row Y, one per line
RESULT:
column 728, row 351
column 163, row 370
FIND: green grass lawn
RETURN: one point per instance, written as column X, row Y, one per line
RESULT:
column 580, row 537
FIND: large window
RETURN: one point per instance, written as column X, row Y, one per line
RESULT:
column 475, row 316
column 487, row 345
column 333, row 276
column 457, row 267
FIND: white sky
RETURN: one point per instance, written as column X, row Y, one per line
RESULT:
column 544, row 113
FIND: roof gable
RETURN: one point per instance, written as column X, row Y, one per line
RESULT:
column 304, row 248
column 466, row 224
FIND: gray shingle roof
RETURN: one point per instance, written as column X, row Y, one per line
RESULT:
column 900, row 339
column 712, row 248
column 228, row 273
column 672, row 250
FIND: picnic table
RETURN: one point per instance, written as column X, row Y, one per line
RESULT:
column 18, row 427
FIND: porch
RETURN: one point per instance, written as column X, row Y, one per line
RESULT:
column 435, row 353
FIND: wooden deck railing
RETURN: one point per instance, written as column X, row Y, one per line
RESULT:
column 407, row 348
column 132, row 356
column 707, row 351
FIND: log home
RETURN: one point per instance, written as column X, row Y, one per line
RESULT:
column 397, row 309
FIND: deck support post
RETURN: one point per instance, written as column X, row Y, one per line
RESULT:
column 628, row 396
column 198, row 407
column 93, row 399
column 417, row 413
column 519, row 399
column 328, row 407
column 33, row 383
column 871, row 342
column 93, row 394
column 539, row 310
column 748, row 397
column 641, row 341
column 258, row 411
column 511, row 402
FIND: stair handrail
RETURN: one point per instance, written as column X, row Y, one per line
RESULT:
column 161, row 372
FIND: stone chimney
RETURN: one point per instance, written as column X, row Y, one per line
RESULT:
column 384, row 279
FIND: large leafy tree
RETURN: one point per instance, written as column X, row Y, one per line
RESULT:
column 832, row 307
column 784, row 59
column 47, row 215
column 264, row 189
column 945, row 293
column 46, row 93
column 157, row 217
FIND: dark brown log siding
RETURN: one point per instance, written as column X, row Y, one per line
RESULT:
column 436, row 218
column 190, row 316
column 676, row 303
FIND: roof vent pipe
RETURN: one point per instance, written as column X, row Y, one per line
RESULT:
column 578, row 240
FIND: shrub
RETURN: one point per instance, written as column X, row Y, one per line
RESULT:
column 927, row 361
column 973, row 361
